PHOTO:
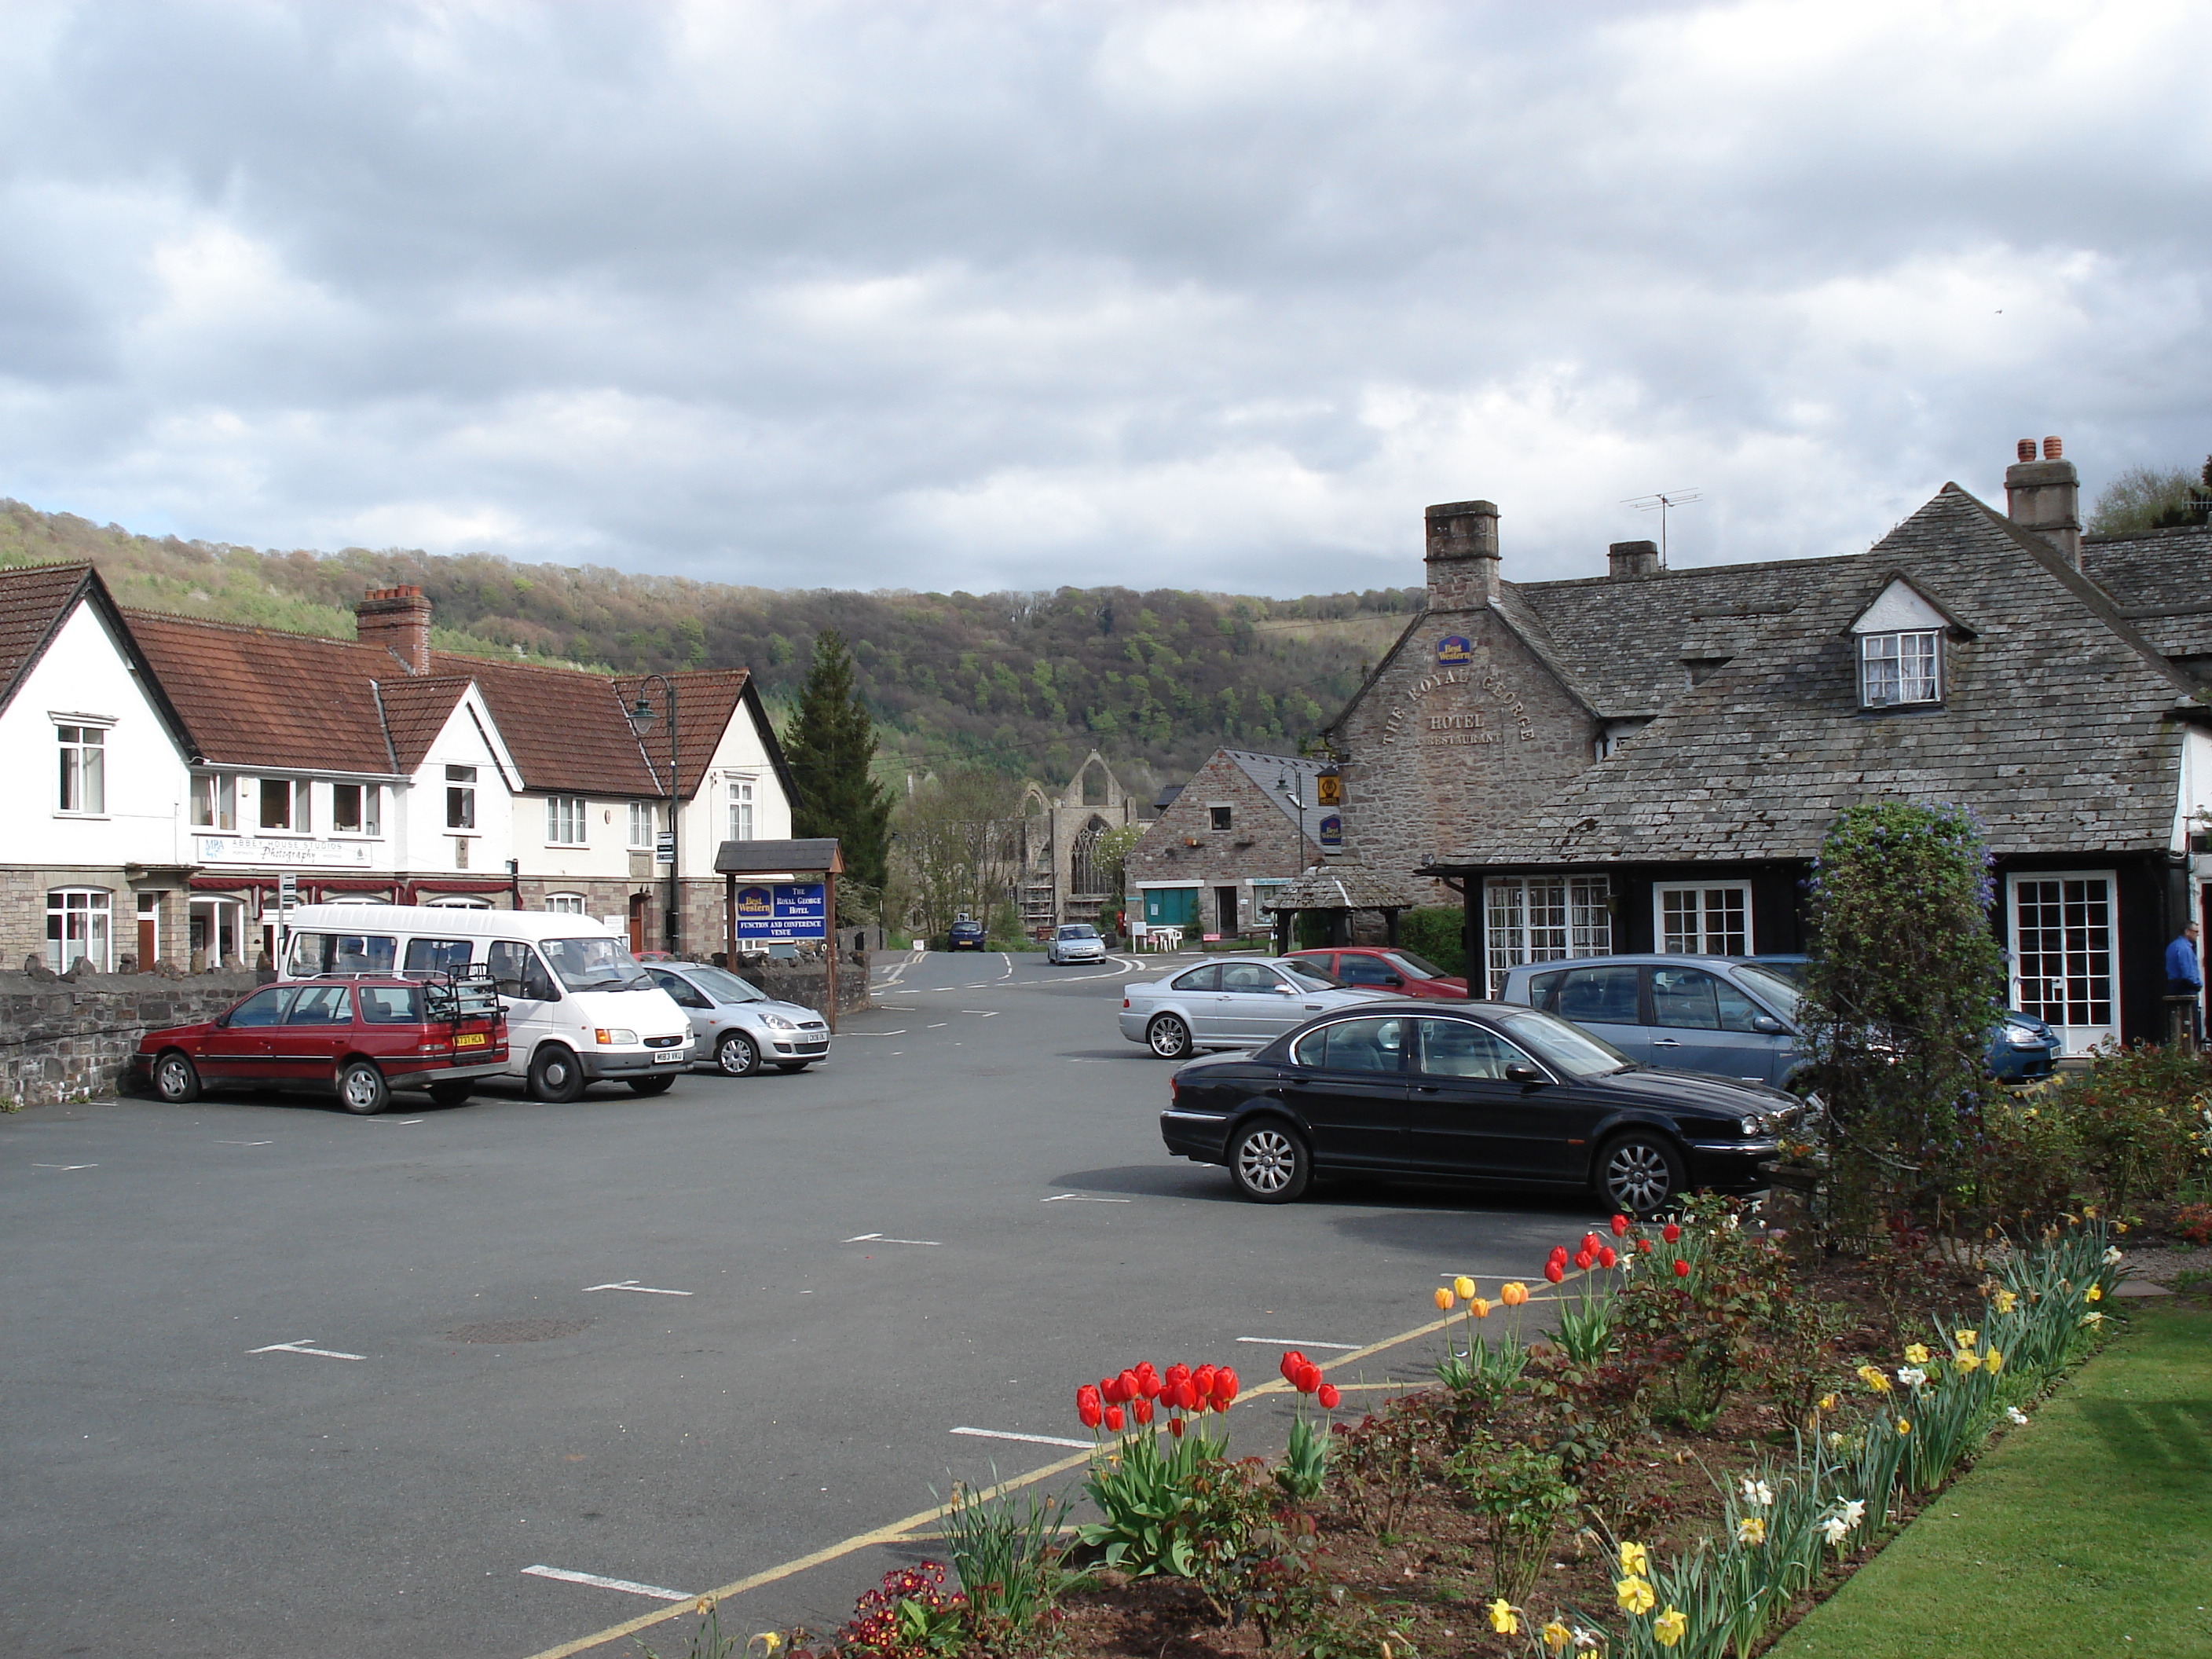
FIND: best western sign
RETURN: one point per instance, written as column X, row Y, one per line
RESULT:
column 783, row 910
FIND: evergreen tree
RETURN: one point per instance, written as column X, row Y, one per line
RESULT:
column 831, row 746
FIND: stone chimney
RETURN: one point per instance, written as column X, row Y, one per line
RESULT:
column 1630, row 561
column 2045, row 497
column 397, row 618
column 1463, row 555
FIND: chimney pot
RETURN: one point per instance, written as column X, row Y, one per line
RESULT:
column 2026, row 449
column 397, row 618
column 2053, row 449
column 1463, row 555
column 1631, row 560
column 2045, row 496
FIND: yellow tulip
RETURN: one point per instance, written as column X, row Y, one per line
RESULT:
column 1463, row 1288
column 1634, row 1595
column 1634, row 1562
column 1669, row 1627
column 1513, row 1295
column 1479, row 1308
column 1503, row 1619
column 1443, row 1299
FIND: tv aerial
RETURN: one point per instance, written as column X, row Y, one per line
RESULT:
column 1664, row 502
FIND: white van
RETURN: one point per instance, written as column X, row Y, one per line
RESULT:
column 579, row 1008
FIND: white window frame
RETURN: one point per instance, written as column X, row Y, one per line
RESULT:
column 215, row 793
column 564, row 904
column 95, row 937
column 644, row 825
column 370, row 818
column 457, row 901
column 1529, row 919
column 1900, row 667
column 567, row 821
column 2079, row 944
column 461, row 799
column 298, row 798
column 1704, row 939
column 740, row 798
column 81, row 743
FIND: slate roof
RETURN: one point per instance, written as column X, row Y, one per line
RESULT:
column 1264, row 769
column 801, row 857
column 1336, row 887
column 2054, row 725
column 2162, row 580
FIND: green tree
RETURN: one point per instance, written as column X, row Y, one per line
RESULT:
column 2151, row 498
column 1904, row 980
column 831, row 746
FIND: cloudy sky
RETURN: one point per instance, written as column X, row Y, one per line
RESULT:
column 1018, row 294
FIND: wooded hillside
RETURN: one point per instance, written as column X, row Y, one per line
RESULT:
column 1025, row 683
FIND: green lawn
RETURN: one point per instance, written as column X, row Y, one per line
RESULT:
column 2089, row 1526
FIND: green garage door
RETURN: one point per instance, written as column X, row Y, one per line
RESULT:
column 1170, row 906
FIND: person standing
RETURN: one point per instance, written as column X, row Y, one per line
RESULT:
column 2185, row 976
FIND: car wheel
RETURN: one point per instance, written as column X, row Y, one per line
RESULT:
column 736, row 1054
column 1269, row 1162
column 176, row 1080
column 652, row 1085
column 1639, row 1173
column 451, row 1093
column 1168, row 1037
column 362, row 1088
column 555, row 1075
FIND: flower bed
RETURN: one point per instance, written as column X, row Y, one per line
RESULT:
column 1712, row 1436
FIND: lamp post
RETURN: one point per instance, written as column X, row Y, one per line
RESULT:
column 641, row 714
column 1286, row 921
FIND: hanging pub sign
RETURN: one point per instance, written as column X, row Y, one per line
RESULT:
column 1454, row 651
column 782, row 911
column 1328, row 787
column 1332, row 831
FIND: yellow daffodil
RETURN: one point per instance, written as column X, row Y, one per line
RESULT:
column 2095, row 1293
column 1634, row 1595
column 1751, row 1531
column 1634, row 1562
column 2119, row 1226
column 1443, row 1299
column 1992, row 1362
column 1965, row 1339
column 1966, row 1360
column 1513, row 1295
column 1827, row 1402
column 2093, row 1319
column 2005, row 1301
column 1556, row 1637
column 1916, row 1353
column 1669, row 1627
column 2088, row 1213
column 1874, row 1379
column 1503, row 1619
column 1463, row 1288
column 1903, row 1427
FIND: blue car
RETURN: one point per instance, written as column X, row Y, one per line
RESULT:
column 965, row 935
column 2022, row 1049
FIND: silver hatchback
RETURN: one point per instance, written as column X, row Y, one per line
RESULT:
column 1238, row 1003
column 738, row 1026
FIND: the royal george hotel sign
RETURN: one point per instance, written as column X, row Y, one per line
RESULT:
column 784, row 910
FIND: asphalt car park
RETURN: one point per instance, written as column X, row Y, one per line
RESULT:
column 286, row 1380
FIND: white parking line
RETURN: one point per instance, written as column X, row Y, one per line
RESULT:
column 395, row 1122
column 301, row 1346
column 65, row 1166
column 630, row 1585
column 1083, row 1197
column 877, row 1239
column 939, row 1026
column 1033, row 1439
column 1297, row 1342
column 988, row 1013
column 246, row 1143
column 900, row 1032
column 632, row 1285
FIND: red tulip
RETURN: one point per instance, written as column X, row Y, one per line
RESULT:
column 1308, row 1377
column 1187, row 1394
column 1202, row 1379
column 1681, row 1268
column 1142, row 1409
column 1148, row 1380
column 1175, row 1427
column 1558, row 1253
column 1177, row 1372
column 1589, row 1242
column 1554, row 1272
column 1583, row 1260
column 1114, row 1419
column 1619, row 1224
column 1292, row 1360
column 1606, row 1258
column 1329, row 1396
column 1224, row 1383
column 1670, row 1232
column 1087, row 1406
column 1643, row 1247
column 1129, row 1385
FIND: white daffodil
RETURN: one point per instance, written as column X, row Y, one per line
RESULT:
column 1757, row 1494
column 2014, row 1415
column 2113, row 1256
column 1912, row 1376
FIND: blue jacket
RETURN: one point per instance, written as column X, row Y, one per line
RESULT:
column 2181, row 964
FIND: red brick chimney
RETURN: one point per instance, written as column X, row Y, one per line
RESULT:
column 2045, row 497
column 397, row 618
column 1463, row 555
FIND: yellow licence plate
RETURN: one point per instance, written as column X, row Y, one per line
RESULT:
column 466, row 1041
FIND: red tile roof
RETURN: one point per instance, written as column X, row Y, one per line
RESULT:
column 565, row 728
column 415, row 711
column 706, row 699
column 33, row 599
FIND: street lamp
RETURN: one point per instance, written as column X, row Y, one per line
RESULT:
column 642, row 714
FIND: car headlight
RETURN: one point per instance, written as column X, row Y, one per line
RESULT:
column 611, row 1036
column 2023, row 1036
column 1763, row 1123
column 778, row 1022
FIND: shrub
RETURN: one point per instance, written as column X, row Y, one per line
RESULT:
column 1434, row 930
column 1524, row 1495
column 1005, row 1555
column 2027, row 1159
column 2136, row 1115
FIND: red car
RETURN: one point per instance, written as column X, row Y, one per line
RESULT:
column 363, row 1037
column 1389, row 968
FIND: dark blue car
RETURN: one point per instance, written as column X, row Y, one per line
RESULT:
column 965, row 935
column 2022, row 1049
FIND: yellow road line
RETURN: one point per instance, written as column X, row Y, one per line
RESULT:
column 898, row 1531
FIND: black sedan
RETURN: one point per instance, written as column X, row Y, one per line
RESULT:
column 1486, row 1091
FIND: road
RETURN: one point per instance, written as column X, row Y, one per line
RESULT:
column 963, row 1215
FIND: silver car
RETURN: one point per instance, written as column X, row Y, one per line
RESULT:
column 1237, row 1003
column 1075, row 941
column 739, row 1027
column 1710, row 1014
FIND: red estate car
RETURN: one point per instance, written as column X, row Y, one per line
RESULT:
column 1388, row 967
column 363, row 1037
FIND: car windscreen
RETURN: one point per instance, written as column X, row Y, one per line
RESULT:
column 1415, row 967
column 1775, row 989
column 1310, row 974
column 1567, row 1047
column 1081, row 930
column 595, row 964
column 723, row 986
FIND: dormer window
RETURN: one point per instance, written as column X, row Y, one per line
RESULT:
column 1898, row 643
column 1902, row 667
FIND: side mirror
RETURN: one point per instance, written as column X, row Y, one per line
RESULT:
column 1284, row 990
column 1767, row 1025
column 222, row 1020
column 1523, row 1074
column 1392, row 979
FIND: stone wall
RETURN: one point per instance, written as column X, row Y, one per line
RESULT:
column 72, row 1039
column 805, row 981
column 1182, row 845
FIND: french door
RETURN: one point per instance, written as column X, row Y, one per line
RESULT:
column 2064, row 953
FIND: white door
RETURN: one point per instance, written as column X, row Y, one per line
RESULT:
column 2063, row 953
